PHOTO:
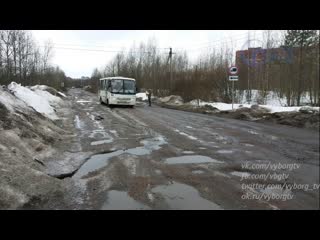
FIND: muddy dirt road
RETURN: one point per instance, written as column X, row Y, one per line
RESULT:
column 157, row 158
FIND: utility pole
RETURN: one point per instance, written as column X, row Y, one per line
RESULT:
column 170, row 59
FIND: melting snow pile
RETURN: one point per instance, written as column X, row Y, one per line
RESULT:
column 11, row 102
column 27, row 140
column 40, row 100
column 46, row 88
column 228, row 106
column 272, row 102
column 172, row 99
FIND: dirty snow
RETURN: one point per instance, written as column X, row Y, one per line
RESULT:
column 38, row 99
column 10, row 101
column 62, row 94
column 273, row 104
column 172, row 99
column 39, row 87
column 53, row 100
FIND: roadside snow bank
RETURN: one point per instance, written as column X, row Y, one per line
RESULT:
column 53, row 100
column 62, row 94
column 28, row 141
column 228, row 106
column 39, row 100
column 172, row 99
column 10, row 101
column 271, row 98
column 46, row 88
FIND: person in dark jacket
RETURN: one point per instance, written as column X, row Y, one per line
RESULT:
column 148, row 93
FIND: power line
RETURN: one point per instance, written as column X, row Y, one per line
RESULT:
column 97, row 46
column 95, row 50
column 100, row 46
column 217, row 43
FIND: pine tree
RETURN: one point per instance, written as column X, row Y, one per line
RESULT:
column 301, row 38
column 304, row 40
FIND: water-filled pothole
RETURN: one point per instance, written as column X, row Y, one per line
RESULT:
column 98, row 161
column 184, row 197
column 118, row 200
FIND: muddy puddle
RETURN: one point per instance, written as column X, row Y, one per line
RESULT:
column 191, row 159
column 98, row 161
column 180, row 196
column 118, row 200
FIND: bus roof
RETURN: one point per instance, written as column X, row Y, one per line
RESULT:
column 123, row 78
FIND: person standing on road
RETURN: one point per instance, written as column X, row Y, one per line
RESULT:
column 148, row 93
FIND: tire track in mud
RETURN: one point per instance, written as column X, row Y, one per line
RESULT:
column 190, row 129
column 240, row 132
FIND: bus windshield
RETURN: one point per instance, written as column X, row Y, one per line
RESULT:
column 123, row 86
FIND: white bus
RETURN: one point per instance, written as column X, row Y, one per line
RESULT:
column 117, row 91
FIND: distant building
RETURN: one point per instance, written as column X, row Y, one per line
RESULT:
column 257, row 56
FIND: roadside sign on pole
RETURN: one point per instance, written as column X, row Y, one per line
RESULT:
column 233, row 70
column 233, row 78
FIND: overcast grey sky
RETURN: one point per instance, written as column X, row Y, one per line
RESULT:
column 76, row 63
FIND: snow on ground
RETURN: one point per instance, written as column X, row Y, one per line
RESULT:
column 172, row 99
column 10, row 101
column 39, row 87
column 53, row 100
column 38, row 99
column 62, row 94
column 142, row 95
column 272, row 98
column 228, row 106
